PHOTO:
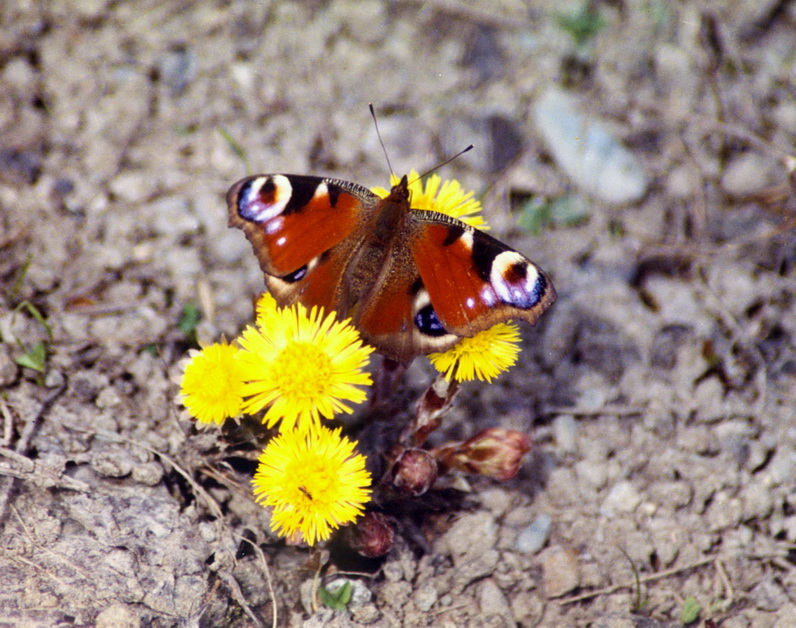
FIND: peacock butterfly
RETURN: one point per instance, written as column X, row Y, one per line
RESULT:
column 413, row 281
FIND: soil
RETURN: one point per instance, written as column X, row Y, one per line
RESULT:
column 660, row 389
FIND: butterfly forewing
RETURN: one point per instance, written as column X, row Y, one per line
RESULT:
column 474, row 280
column 290, row 220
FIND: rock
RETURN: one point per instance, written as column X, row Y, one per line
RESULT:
column 148, row 473
column 565, row 432
column 782, row 467
column 586, row 150
column 622, row 498
column 470, row 536
column 756, row 500
column 708, row 400
column 425, row 597
column 491, row 601
column 475, row 568
column 724, row 512
column 746, row 174
column 533, row 538
column 118, row 616
column 116, row 463
column 592, row 475
column 560, row 571
column 365, row 614
column 8, row 368
column 768, row 595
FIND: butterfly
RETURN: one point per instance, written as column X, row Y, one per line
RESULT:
column 413, row 281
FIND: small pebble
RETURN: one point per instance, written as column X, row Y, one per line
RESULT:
column 148, row 473
column 8, row 368
column 113, row 464
column 746, row 174
column 768, row 595
column 565, row 432
column 593, row 475
column 492, row 601
column 622, row 498
column 472, row 535
column 782, row 467
column 425, row 597
column 534, row 537
column 560, row 571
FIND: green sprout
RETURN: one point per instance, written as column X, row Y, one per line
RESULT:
column 337, row 600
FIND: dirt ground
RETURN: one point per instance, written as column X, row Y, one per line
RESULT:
column 660, row 389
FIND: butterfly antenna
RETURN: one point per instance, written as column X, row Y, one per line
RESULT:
column 447, row 161
column 378, row 134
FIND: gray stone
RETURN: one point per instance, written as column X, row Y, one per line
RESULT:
column 360, row 594
column 148, row 473
column 425, row 597
column 565, row 432
column 533, row 538
column 724, row 512
column 470, row 536
column 782, row 467
column 587, row 151
column 746, row 174
column 593, row 475
column 622, row 498
column 8, row 368
column 768, row 595
column 115, row 463
column 492, row 601
column 118, row 616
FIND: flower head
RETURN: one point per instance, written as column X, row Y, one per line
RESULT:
column 305, row 366
column 265, row 308
column 496, row 452
column 212, row 384
column 448, row 199
column 314, row 480
column 484, row 356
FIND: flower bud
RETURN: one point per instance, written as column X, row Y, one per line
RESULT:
column 372, row 535
column 414, row 472
column 496, row 452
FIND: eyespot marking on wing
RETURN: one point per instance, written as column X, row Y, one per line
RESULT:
column 263, row 198
column 516, row 281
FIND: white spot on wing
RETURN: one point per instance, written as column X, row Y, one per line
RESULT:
column 274, row 225
column 321, row 191
column 421, row 300
column 488, row 296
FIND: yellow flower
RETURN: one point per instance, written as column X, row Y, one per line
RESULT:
column 303, row 366
column 449, row 199
column 265, row 308
column 484, row 356
column 314, row 480
column 212, row 384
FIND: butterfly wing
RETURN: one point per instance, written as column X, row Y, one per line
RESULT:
column 303, row 232
column 473, row 280
column 444, row 281
column 397, row 317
